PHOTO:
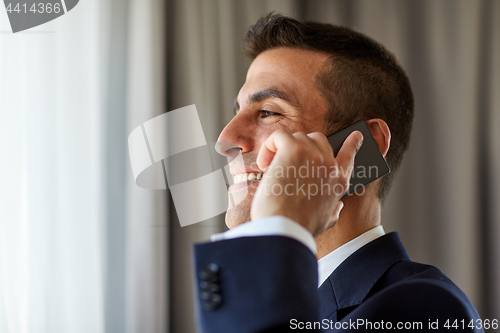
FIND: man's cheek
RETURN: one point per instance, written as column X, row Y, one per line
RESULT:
column 240, row 198
column 267, row 130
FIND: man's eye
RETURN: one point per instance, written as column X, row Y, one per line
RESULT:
column 266, row 114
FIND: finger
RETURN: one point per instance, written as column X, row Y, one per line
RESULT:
column 317, row 144
column 322, row 143
column 269, row 148
column 349, row 149
column 305, row 140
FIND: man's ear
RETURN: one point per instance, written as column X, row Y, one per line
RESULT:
column 381, row 133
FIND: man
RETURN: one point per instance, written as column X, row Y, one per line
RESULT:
column 306, row 82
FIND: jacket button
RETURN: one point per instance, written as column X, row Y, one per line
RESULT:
column 205, row 284
column 214, row 288
column 209, row 272
column 205, row 295
column 212, row 303
column 209, row 287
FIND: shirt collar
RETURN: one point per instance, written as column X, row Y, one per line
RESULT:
column 332, row 260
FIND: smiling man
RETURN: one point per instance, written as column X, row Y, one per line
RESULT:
column 307, row 81
column 279, row 93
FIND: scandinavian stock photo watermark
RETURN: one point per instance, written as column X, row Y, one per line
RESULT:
column 297, row 186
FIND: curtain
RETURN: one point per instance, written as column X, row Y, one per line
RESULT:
column 444, row 202
column 82, row 248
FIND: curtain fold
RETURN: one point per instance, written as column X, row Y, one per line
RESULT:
column 82, row 248
column 147, row 239
column 50, row 223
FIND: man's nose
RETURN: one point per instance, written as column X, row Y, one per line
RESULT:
column 237, row 136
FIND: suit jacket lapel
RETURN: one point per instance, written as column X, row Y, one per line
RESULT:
column 351, row 282
column 327, row 301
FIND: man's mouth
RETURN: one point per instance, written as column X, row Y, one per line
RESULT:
column 243, row 177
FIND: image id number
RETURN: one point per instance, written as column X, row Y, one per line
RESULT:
column 36, row 8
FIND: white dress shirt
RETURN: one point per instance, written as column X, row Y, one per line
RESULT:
column 283, row 226
column 332, row 260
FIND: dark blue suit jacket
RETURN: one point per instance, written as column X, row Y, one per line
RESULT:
column 269, row 284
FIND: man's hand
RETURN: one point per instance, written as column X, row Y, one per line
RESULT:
column 303, row 180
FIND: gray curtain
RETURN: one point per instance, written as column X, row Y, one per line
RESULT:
column 445, row 200
column 83, row 249
column 136, row 219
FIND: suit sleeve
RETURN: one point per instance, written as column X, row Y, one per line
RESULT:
column 261, row 284
column 250, row 284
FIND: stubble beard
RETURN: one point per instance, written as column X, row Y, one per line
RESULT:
column 239, row 214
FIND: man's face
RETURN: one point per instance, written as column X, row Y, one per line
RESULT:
column 279, row 92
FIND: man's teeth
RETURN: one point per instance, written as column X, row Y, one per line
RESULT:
column 243, row 177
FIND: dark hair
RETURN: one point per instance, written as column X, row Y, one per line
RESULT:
column 361, row 80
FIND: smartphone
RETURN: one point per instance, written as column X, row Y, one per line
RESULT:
column 369, row 164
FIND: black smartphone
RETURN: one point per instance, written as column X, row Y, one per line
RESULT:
column 369, row 164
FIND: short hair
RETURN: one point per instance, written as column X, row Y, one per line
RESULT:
column 360, row 81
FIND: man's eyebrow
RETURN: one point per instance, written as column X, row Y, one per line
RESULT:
column 265, row 94
column 270, row 93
